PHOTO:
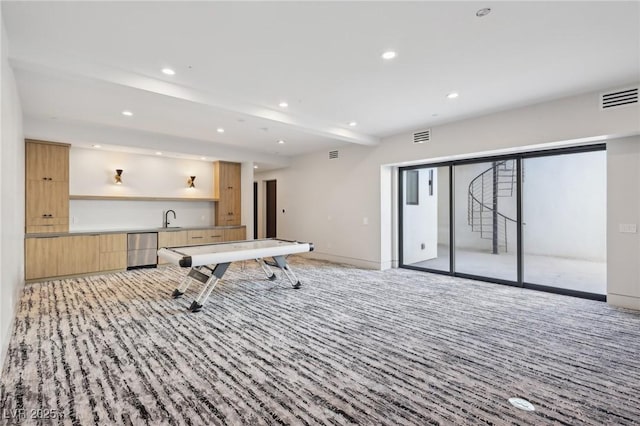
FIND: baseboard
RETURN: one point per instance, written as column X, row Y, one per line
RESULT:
column 360, row 263
column 4, row 346
column 623, row 301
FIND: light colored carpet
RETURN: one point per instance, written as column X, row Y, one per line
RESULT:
column 351, row 346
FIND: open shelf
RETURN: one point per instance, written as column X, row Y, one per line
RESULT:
column 135, row 198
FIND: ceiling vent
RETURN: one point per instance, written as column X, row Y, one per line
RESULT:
column 422, row 136
column 333, row 155
column 619, row 98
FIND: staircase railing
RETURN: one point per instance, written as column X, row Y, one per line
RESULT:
column 497, row 181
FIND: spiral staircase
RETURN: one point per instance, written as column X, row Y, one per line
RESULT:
column 485, row 190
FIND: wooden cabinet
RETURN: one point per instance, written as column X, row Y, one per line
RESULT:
column 204, row 236
column 235, row 234
column 113, row 252
column 226, row 188
column 55, row 256
column 46, row 187
column 171, row 239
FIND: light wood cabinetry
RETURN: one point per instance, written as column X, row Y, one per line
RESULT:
column 55, row 256
column 113, row 252
column 226, row 188
column 235, row 234
column 204, row 236
column 171, row 239
column 46, row 187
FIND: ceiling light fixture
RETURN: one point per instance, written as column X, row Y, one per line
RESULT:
column 255, row 167
column 483, row 12
column 96, row 146
column 283, row 104
column 281, row 142
column 127, row 113
column 452, row 95
column 389, row 55
column 353, row 124
column 203, row 158
column 220, row 130
column 158, row 153
column 168, row 71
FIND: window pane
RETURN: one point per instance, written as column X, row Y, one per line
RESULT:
column 486, row 214
column 425, row 230
column 564, row 215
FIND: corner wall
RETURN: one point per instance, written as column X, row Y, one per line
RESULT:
column 623, row 207
column 11, row 198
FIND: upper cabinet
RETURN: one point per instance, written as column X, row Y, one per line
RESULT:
column 47, row 187
column 226, row 188
column 47, row 161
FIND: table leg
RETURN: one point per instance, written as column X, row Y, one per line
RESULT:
column 282, row 264
column 195, row 273
column 268, row 272
column 211, row 283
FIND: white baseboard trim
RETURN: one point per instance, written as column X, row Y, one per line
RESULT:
column 360, row 263
column 4, row 346
column 622, row 301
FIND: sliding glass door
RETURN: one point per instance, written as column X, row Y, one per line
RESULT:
column 564, row 215
column 425, row 211
column 534, row 220
column 486, row 219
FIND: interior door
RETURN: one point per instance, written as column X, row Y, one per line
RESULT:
column 271, row 209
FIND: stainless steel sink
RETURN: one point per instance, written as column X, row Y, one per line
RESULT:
column 171, row 227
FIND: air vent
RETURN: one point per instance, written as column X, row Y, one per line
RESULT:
column 422, row 136
column 333, row 155
column 619, row 98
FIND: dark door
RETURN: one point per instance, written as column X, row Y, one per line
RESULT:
column 255, row 210
column 271, row 209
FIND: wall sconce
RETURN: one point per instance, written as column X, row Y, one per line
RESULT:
column 118, row 176
column 191, row 182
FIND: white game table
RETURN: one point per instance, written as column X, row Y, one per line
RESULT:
column 209, row 262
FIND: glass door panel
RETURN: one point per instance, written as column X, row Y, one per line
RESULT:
column 425, row 215
column 564, row 216
column 486, row 219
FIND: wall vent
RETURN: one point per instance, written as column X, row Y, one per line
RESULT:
column 619, row 98
column 333, row 155
column 422, row 136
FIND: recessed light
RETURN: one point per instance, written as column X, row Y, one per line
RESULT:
column 283, row 104
column 220, row 130
column 168, row 71
column 389, row 55
column 96, row 146
column 280, row 141
column 452, row 95
column 203, row 158
column 127, row 113
column 158, row 153
column 483, row 12
column 353, row 124
column 255, row 167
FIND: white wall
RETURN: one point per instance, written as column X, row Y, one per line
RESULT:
column 326, row 200
column 91, row 172
column 421, row 220
column 11, row 199
column 623, row 207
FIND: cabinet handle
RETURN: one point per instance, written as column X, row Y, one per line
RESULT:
column 195, row 238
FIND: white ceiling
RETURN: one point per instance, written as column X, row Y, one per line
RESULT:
column 235, row 61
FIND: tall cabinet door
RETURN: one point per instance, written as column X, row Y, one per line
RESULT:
column 47, row 187
column 227, row 189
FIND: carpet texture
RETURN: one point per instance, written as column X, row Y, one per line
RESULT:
column 351, row 346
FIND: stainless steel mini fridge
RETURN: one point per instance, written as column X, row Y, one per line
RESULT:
column 142, row 250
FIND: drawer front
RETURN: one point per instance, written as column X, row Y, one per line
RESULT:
column 48, row 220
column 113, row 242
column 197, row 237
column 42, row 229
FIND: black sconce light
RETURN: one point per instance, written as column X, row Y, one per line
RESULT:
column 118, row 176
column 191, row 182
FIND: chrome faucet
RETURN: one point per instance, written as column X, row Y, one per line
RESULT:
column 166, row 218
